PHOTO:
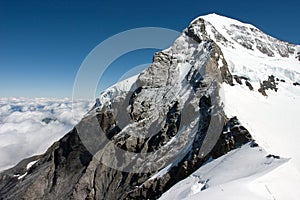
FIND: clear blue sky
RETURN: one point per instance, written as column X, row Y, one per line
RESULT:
column 43, row 43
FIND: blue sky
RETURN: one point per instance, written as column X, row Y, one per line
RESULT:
column 43, row 43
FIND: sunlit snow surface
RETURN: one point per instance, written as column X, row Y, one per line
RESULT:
column 273, row 121
column 240, row 175
column 29, row 126
column 245, row 173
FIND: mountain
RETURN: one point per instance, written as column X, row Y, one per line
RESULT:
column 214, row 116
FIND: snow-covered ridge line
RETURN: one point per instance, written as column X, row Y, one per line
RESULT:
column 226, row 26
column 237, row 167
column 208, row 57
column 273, row 120
column 259, row 55
column 234, row 36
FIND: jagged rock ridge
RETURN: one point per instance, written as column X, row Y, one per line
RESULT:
column 188, row 74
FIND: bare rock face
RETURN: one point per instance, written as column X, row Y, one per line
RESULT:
column 298, row 54
column 251, row 38
column 268, row 84
column 296, row 84
column 239, row 79
column 172, row 118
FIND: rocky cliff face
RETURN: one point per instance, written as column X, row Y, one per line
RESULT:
column 142, row 138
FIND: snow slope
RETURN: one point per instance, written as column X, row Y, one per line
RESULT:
column 272, row 120
column 233, row 175
column 281, row 183
column 174, row 79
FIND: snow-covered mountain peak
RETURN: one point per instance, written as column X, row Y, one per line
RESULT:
column 216, row 19
column 259, row 55
column 247, row 36
column 222, row 85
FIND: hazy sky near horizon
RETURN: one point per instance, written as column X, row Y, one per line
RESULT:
column 43, row 43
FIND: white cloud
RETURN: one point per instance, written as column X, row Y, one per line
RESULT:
column 24, row 133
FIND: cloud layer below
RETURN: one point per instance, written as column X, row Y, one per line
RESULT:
column 30, row 126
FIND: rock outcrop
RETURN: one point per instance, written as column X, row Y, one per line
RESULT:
column 138, row 142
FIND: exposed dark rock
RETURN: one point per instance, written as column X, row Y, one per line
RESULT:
column 244, row 41
column 219, row 37
column 263, row 47
column 214, row 48
column 68, row 170
column 282, row 49
column 53, row 176
column 239, row 79
column 225, row 74
column 298, row 56
column 269, row 84
column 234, row 135
column 267, row 45
column 281, row 80
column 9, row 178
column 291, row 48
column 196, row 80
column 254, row 144
column 240, row 34
column 296, row 84
column 262, row 91
column 272, row 156
column 194, row 34
column 249, row 85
